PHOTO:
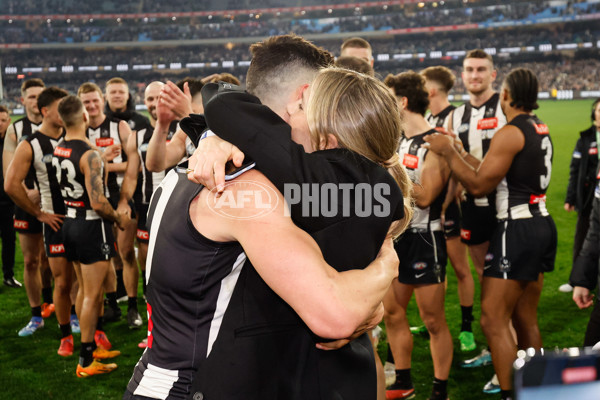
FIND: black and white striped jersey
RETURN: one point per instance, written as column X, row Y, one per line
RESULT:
column 412, row 156
column 23, row 128
column 475, row 126
column 103, row 136
column 42, row 148
column 440, row 120
column 149, row 180
column 522, row 193
column 190, row 280
column 67, row 156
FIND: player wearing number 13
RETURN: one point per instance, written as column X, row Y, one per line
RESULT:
column 88, row 237
column 523, row 245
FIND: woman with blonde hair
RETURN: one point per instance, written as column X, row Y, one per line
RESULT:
column 346, row 130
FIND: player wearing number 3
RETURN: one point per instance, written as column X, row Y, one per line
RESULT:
column 88, row 237
column 523, row 246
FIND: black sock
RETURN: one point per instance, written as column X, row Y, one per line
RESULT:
column 506, row 394
column 73, row 312
column 112, row 300
column 440, row 389
column 467, row 318
column 390, row 356
column 86, row 354
column 65, row 330
column 47, row 295
column 120, row 283
column 99, row 324
column 36, row 311
column 132, row 303
column 403, row 380
column 144, row 282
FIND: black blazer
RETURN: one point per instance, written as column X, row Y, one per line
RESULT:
column 263, row 350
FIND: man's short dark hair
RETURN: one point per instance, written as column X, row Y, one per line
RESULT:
column 274, row 59
column 355, row 64
column 70, row 109
column 479, row 53
column 33, row 82
column 194, row 84
column 356, row 42
column 441, row 75
column 49, row 96
column 412, row 86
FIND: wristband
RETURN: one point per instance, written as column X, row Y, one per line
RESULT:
column 207, row 133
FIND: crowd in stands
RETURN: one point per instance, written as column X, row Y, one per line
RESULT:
column 369, row 19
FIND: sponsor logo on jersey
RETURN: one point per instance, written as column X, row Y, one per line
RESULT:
column 593, row 150
column 489, row 257
column 465, row 234
column 78, row 204
column 62, row 152
column 57, row 248
column 419, row 266
column 18, row 224
column 47, row 159
column 537, row 198
column 487, row 123
column 410, row 161
column 143, row 235
column 541, row 129
column 104, row 141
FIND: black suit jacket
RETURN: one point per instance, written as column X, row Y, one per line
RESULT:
column 264, row 350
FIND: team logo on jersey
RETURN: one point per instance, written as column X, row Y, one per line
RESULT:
column 105, row 249
column 57, row 248
column 18, row 224
column 465, row 234
column 62, row 152
column 487, row 123
column 537, row 198
column 143, row 235
column 47, row 159
column 419, row 266
column 410, row 161
column 104, row 141
column 541, row 129
column 464, row 128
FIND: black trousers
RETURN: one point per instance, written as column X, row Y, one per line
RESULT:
column 7, row 234
column 581, row 228
column 592, row 333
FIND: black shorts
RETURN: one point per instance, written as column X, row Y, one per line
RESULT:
column 452, row 220
column 88, row 241
column 53, row 242
column 530, row 249
column 478, row 222
column 26, row 223
column 142, row 229
column 422, row 257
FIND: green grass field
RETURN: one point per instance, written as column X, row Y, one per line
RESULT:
column 31, row 369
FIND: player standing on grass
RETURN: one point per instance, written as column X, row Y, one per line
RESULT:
column 475, row 123
column 421, row 249
column 439, row 81
column 518, row 166
column 89, row 241
column 28, row 227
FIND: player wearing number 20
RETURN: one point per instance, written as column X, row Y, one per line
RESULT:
column 523, row 245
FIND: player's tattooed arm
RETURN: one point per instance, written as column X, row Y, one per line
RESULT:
column 95, row 185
